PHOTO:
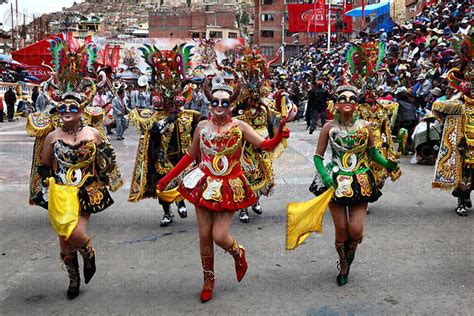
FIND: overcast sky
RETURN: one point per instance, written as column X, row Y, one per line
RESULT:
column 30, row 7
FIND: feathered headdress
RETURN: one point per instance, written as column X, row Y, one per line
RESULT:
column 72, row 62
column 254, row 69
column 168, row 77
column 461, row 77
column 252, row 63
column 364, row 62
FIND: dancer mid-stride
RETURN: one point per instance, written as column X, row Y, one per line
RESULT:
column 217, row 186
column 72, row 157
column 346, row 183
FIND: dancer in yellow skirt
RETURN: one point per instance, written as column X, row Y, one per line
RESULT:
column 73, row 162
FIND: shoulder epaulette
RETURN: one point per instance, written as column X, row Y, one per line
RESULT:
column 39, row 124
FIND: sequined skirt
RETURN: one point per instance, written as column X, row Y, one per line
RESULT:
column 219, row 194
column 350, row 189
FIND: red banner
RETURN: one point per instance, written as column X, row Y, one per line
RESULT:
column 301, row 15
column 105, row 55
column 115, row 56
column 42, row 73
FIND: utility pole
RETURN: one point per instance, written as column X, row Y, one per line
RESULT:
column 283, row 37
column 34, row 29
column 17, row 16
column 329, row 26
column 13, row 30
column 40, row 37
column 23, row 30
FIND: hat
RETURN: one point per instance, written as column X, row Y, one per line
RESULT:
column 434, row 38
column 421, row 77
column 428, row 115
column 436, row 92
column 465, row 20
column 438, row 31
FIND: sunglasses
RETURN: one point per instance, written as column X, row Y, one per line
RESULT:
column 68, row 108
column 343, row 99
column 224, row 102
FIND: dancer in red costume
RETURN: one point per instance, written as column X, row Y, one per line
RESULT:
column 217, row 186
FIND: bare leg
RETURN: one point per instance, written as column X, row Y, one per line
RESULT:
column 220, row 229
column 221, row 236
column 357, row 216
column 205, row 220
column 79, row 237
column 339, row 217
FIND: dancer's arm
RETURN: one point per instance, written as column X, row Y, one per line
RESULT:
column 251, row 136
column 46, row 158
column 318, row 157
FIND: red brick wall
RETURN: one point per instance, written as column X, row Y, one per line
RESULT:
column 179, row 25
column 277, row 9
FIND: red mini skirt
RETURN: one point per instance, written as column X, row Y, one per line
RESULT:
column 219, row 194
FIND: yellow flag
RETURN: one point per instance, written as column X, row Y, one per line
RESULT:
column 63, row 207
column 170, row 196
column 305, row 218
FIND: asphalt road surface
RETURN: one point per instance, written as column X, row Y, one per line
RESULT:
column 416, row 258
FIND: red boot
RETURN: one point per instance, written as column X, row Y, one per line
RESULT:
column 208, row 271
column 238, row 252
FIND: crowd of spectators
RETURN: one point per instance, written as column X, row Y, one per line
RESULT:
column 419, row 54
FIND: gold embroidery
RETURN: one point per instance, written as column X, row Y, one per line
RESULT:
column 237, row 189
column 163, row 167
column 364, row 183
column 95, row 195
column 344, row 188
column 184, row 128
column 213, row 190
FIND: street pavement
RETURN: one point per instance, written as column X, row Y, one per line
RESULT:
column 416, row 257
